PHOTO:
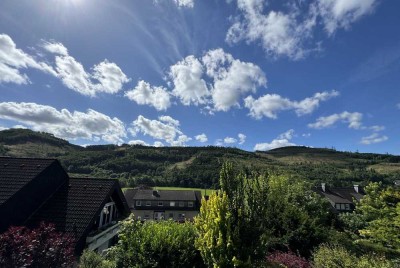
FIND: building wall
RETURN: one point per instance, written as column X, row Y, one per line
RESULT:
column 176, row 215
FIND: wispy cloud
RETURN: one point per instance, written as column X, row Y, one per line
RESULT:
column 374, row 138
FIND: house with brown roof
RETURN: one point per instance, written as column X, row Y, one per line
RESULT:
column 177, row 205
column 342, row 199
column 33, row 190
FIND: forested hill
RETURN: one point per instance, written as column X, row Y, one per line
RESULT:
column 198, row 166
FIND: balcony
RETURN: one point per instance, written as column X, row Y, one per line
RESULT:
column 98, row 238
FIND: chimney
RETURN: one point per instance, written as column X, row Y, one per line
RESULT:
column 323, row 186
column 356, row 188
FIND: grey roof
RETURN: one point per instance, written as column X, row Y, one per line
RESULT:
column 15, row 173
column 183, row 195
column 343, row 195
column 73, row 207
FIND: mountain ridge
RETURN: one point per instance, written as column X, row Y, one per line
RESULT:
column 199, row 166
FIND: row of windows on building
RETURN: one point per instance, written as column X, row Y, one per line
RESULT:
column 342, row 206
column 140, row 203
column 161, row 216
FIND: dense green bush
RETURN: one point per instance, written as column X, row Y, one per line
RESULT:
column 156, row 244
column 336, row 256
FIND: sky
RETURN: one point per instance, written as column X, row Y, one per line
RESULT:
column 251, row 74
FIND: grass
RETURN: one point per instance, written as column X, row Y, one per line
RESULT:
column 203, row 191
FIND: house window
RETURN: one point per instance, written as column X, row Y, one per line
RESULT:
column 172, row 204
column 138, row 203
column 160, row 203
column 190, row 204
column 108, row 214
column 148, row 203
column 139, row 218
column 181, row 204
column 146, row 217
column 337, row 206
column 342, row 207
column 181, row 216
column 347, row 206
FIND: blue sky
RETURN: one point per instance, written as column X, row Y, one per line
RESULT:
column 245, row 73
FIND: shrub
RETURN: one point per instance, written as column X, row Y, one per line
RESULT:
column 40, row 247
column 288, row 259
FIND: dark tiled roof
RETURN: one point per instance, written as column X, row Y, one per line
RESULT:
column 73, row 207
column 15, row 173
column 343, row 195
column 183, row 195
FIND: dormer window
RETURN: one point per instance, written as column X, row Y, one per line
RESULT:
column 148, row 203
column 138, row 203
column 181, row 204
column 108, row 214
column 160, row 203
column 190, row 204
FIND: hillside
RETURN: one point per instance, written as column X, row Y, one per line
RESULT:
column 198, row 166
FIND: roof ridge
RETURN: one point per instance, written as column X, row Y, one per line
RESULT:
column 91, row 178
column 30, row 158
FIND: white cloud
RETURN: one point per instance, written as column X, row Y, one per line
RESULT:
column 341, row 13
column 280, row 34
column 189, row 86
column 373, row 138
column 169, row 120
column 232, row 78
column 145, row 94
column 55, row 48
column 184, row 3
column 90, row 125
column 230, row 140
column 106, row 76
column 242, row 138
column 377, row 128
column 201, row 138
column 282, row 140
column 352, row 119
column 270, row 104
column 158, row 144
column 138, row 142
column 291, row 32
column 13, row 59
column 166, row 129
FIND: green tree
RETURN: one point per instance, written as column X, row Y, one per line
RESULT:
column 253, row 214
column 380, row 209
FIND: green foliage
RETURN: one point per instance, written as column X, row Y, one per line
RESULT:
column 91, row 259
column 155, row 244
column 253, row 214
column 336, row 256
column 380, row 209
